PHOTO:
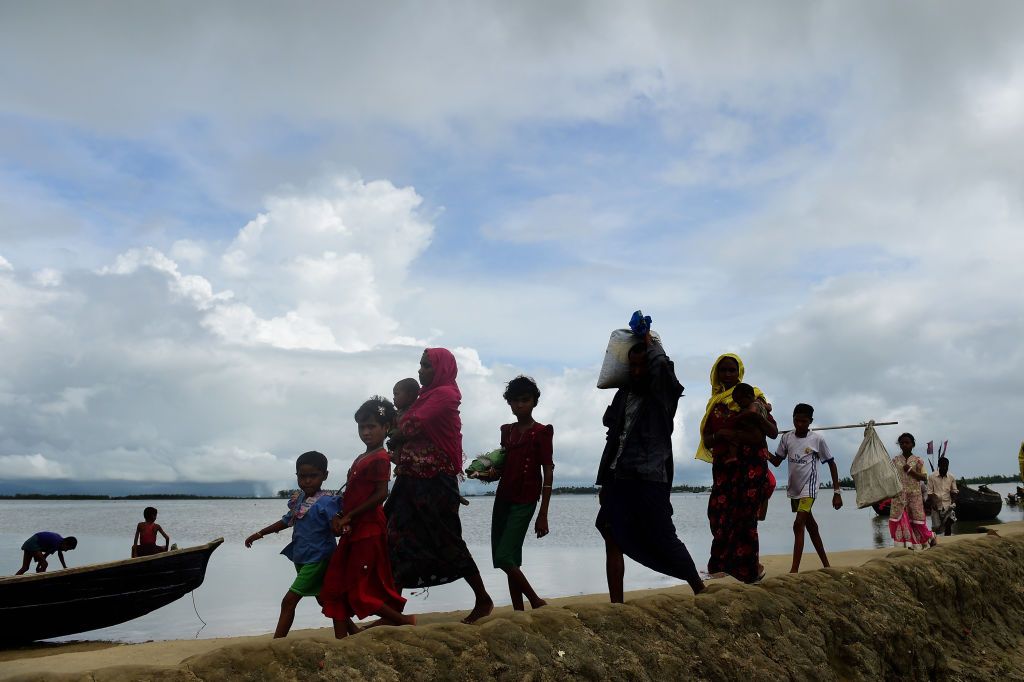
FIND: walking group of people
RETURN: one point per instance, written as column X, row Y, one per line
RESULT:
column 356, row 549
column 412, row 536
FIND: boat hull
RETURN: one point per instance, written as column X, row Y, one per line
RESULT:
column 977, row 505
column 44, row 605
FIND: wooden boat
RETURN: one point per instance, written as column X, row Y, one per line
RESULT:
column 977, row 505
column 44, row 605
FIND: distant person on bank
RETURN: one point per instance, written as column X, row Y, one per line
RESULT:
column 942, row 493
column 42, row 545
column 636, row 470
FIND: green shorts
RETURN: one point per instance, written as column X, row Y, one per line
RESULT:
column 509, row 523
column 309, row 578
column 803, row 504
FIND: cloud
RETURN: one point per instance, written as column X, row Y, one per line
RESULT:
column 197, row 281
column 558, row 217
column 30, row 466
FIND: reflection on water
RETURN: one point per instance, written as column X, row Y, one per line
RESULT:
column 243, row 588
column 880, row 531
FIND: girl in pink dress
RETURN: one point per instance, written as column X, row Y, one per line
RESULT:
column 907, row 523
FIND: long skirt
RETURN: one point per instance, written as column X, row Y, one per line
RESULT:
column 737, row 492
column 909, row 534
column 358, row 580
column 425, row 534
column 637, row 516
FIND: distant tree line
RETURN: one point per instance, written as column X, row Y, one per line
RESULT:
column 1012, row 478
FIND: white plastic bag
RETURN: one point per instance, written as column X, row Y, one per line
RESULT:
column 615, row 370
column 874, row 475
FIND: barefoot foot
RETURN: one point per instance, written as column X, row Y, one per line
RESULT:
column 481, row 610
column 540, row 603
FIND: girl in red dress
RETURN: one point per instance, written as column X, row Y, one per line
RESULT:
column 358, row 581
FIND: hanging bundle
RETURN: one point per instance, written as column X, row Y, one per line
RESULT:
column 874, row 475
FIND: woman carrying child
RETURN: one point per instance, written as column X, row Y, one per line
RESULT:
column 423, row 528
column 907, row 523
column 741, row 483
column 358, row 581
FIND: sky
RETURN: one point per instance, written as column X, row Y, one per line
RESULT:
column 224, row 226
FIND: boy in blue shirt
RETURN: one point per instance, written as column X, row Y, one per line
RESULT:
column 309, row 514
column 42, row 545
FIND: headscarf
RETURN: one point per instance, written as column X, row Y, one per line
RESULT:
column 720, row 395
column 437, row 407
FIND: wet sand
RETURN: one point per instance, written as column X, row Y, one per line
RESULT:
column 732, row 632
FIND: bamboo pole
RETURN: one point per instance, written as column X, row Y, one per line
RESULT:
column 845, row 426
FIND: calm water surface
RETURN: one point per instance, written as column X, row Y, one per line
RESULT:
column 243, row 588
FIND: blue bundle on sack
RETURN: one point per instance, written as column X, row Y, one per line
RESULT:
column 640, row 324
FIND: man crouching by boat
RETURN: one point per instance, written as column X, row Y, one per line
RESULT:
column 42, row 545
column 942, row 494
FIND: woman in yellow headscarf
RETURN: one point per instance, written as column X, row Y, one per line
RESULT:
column 740, row 484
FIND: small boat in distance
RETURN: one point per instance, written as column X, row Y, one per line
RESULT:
column 43, row 605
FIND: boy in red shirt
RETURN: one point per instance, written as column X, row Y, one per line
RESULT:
column 525, row 477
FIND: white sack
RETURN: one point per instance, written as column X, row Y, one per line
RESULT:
column 874, row 475
column 615, row 370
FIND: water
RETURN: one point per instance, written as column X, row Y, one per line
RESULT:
column 243, row 587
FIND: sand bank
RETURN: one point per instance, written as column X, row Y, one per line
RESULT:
column 875, row 614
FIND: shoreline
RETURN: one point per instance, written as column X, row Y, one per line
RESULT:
column 84, row 656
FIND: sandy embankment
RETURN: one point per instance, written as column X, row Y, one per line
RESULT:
column 956, row 612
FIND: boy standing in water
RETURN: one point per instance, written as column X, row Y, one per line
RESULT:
column 309, row 515
column 804, row 449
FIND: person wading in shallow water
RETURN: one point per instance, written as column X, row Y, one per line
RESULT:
column 423, row 528
column 636, row 470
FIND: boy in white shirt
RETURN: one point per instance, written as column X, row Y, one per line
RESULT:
column 804, row 449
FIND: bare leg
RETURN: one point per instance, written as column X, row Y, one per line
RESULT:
column 819, row 547
column 518, row 586
column 284, row 622
column 798, row 540
column 484, row 605
column 343, row 627
column 615, row 569
column 391, row 616
column 515, row 593
column 26, row 561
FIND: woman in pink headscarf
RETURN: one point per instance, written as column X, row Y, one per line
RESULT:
column 424, row 531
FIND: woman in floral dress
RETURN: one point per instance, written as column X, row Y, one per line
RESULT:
column 907, row 523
